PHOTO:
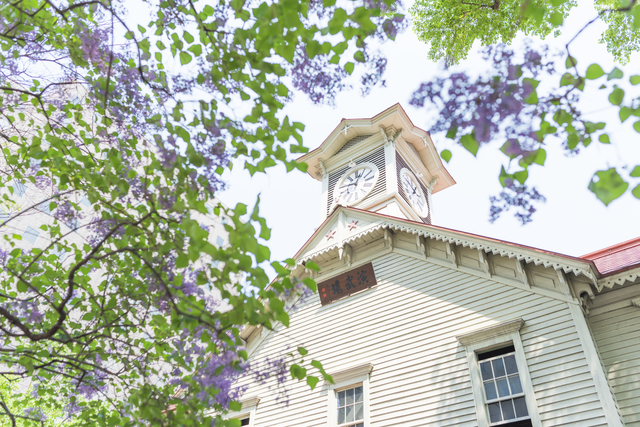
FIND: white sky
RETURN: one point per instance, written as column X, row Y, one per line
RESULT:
column 572, row 221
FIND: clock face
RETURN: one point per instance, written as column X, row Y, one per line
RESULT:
column 414, row 192
column 356, row 184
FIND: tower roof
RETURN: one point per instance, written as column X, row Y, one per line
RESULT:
column 394, row 118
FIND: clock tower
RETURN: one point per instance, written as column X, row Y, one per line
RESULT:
column 383, row 164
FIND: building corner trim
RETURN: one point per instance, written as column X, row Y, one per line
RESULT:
column 605, row 395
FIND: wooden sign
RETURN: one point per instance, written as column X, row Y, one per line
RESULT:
column 346, row 284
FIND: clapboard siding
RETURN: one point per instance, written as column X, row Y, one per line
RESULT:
column 617, row 335
column 406, row 327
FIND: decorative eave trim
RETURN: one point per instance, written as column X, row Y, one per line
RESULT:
column 548, row 261
column 494, row 331
column 618, row 279
column 354, row 372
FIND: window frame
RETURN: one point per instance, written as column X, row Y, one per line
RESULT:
column 346, row 379
column 249, row 407
column 493, row 338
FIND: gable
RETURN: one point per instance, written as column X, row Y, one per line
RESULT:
column 351, row 237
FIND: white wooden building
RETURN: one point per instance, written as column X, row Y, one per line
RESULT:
column 425, row 326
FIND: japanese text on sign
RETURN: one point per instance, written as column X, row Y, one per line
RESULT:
column 347, row 283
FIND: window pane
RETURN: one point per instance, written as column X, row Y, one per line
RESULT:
column 349, row 396
column 349, row 412
column 341, row 398
column 498, row 367
column 514, row 382
column 490, row 390
column 494, row 413
column 521, row 407
column 359, row 425
column 510, row 364
column 244, row 422
column 485, row 369
column 507, row 409
column 340, row 415
column 358, row 397
column 503, row 387
column 359, row 411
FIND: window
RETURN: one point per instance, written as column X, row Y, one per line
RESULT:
column 502, row 388
column 351, row 407
column 247, row 414
column 18, row 188
column 503, row 393
column 45, row 207
column 30, row 234
column 349, row 397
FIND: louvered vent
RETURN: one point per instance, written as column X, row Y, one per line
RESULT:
column 353, row 141
column 400, row 163
column 377, row 158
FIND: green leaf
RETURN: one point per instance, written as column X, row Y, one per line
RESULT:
column 636, row 191
column 185, row 58
column 615, row 74
column 608, row 185
column 625, row 112
column 541, row 156
column 312, row 381
column 635, row 172
column 348, row 67
column 297, row 371
column 302, row 351
column 571, row 61
column 616, row 96
column 469, row 143
column 446, row 155
column 636, row 126
column 594, row 72
column 604, row 138
column 319, row 367
column 634, row 80
column 556, row 19
column 235, row 406
column 312, row 266
column 521, row 176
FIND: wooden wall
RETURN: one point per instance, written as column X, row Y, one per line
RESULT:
column 406, row 327
column 617, row 335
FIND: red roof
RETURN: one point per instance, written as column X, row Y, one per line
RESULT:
column 616, row 258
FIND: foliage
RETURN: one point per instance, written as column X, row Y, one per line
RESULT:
column 18, row 403
column 621, row 37
column 506, row 105
column 451, row 27
column 114, row 137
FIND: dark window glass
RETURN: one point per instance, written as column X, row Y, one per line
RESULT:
column 510, row 364
column 498, row 367
column 494, row 413
column 485, row 368
column 522, row 423
column 507, row 409
column 503, row 387
column 514, row 382
column 498, row 352
column 244, row 422
column 521, row 407
column 490, row 390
